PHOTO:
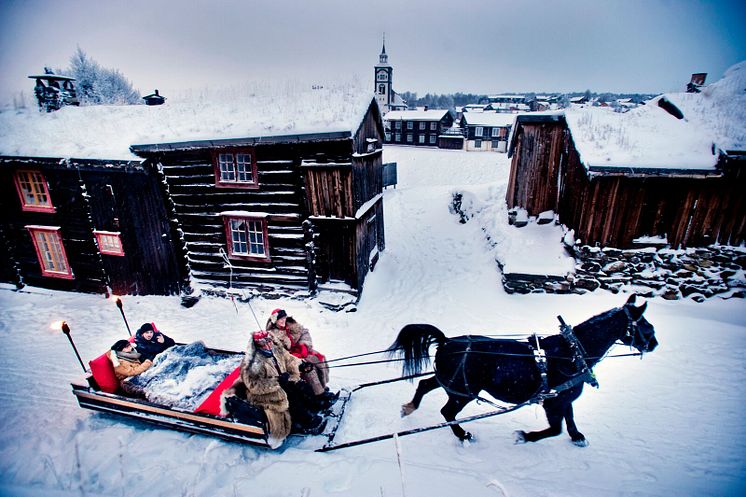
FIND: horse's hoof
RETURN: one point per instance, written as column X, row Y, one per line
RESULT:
column 582, row 442
column 519, row 437
column 466, row 439
column 407, row 409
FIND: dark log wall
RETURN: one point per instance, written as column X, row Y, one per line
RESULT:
column 535, row 168
column 613, row 210
column 281, row 194
column 90, row 196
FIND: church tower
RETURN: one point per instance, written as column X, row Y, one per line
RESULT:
column 382, row 81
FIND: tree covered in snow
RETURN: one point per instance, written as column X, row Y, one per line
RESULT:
column 100, row 85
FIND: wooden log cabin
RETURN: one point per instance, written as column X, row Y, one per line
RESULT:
column 417, row 127
column 278, row 193
column 85, row 225
column 618, row 179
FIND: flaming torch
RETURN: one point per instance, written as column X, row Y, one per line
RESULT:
column 62, row 325
column 118, row 301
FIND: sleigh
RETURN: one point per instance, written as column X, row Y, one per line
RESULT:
column 99, row 390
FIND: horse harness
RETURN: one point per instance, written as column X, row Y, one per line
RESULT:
column 585, row 373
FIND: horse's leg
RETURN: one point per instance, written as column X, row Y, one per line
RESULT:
column 577, row 437
column 555, row 412
column 451, row 409
column 424, row 386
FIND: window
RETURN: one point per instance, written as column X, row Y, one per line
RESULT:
column 433, row 126
column 422, row 125
column 397, row 137
column 398, row 125
column 235, row 169
column 109, row 242
column 421, row 138
column 495, row 132
column 477, row 143
column 381, row 89
column 409, row 125
column 432, row 139
column 478, row 131
column 409, row 137
column 495, row 143
column 33, row 191
column 247, row 238
column 388, row 137
column 50, row 252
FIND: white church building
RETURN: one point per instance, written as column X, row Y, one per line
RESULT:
column 387, row 98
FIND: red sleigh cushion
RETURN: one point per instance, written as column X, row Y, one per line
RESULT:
column 103, row 372
column 211, row 405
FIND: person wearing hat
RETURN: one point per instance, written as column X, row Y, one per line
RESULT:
column 150, row 342
column 296, row 339
column 268, row 373
column 126, row 360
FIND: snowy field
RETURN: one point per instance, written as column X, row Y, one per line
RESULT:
column 669, row 425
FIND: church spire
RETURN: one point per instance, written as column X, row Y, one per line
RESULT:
column 383, row 58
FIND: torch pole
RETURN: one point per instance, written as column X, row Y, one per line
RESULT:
column 121, row 310
column 66, row 331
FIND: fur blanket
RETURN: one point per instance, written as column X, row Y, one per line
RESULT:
column 182, row 376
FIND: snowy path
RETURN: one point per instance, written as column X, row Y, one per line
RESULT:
column 671, row 424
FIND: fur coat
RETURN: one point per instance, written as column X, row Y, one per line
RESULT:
column 259, row 380
column 296, row 339
column 124, row 368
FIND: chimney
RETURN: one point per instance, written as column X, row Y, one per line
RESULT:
column 698, row 81
column 426, row 108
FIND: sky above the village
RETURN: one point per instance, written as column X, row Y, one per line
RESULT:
column 437, row 46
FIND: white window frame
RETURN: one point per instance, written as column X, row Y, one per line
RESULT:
column 421, row 139
column 478, row 130
column 495, row 132
column 432, row 138
column 409, row 138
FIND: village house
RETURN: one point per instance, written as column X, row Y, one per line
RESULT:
column 506, row 103
column 486, row 131
column 417, row 127
column 671, row 171
column 282, row 197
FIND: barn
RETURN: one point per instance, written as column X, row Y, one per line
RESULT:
column 672, row 171
column 275, row 190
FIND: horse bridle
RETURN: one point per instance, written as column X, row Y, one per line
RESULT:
column 633, row 331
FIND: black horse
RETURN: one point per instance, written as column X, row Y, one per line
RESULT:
column 508, row 370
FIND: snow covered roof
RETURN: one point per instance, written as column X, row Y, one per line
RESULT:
column 500, row 119
column 650, row 138
column 416, row 115
column 107, row 131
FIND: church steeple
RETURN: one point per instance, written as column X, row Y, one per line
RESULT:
column 383, row 58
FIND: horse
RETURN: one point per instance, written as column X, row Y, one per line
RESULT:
column 508, row 370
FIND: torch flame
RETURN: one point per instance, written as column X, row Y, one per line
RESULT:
column 57, row 325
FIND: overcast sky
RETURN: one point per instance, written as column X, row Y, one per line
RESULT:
column 437, row 46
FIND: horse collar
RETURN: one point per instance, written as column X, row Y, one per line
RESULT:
column 578, row 354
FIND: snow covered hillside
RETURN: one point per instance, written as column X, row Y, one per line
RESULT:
column 670, row 424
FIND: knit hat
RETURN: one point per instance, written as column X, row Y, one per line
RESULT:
column 145, row 327
column 277, row 314
column 259, row 335
column 119, row 345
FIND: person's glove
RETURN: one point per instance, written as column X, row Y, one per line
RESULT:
column 306, row 367
column 283, row 379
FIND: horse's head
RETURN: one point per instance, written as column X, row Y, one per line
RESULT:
column 639, row 334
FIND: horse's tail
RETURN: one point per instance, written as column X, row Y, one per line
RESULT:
column 413, row 343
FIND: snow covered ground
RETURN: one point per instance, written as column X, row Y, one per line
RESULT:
column 671, row 424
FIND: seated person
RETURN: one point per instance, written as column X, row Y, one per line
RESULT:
column 149, row 342
column 126, row 360
column 296, row 339
column 268, row 373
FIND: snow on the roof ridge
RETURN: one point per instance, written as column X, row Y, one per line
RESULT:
column 650, row 137
column 106, row 132
column 645, row 137
column 719, row 110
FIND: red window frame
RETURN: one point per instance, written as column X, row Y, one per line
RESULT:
column 107, row 248
column 37, row 182
column 218, row 157
column 52, row 253
column 246, row 255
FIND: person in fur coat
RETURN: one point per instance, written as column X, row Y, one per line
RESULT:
column 150, row 342
column 126, row 360
column 265, row 368
column 296, row 339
